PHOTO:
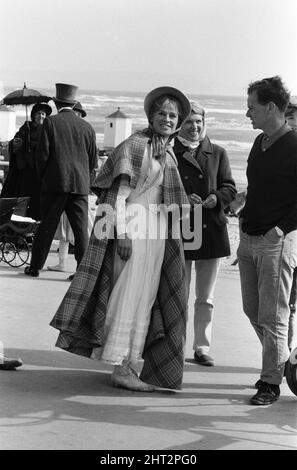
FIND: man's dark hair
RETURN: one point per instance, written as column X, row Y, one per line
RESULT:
column 271, row 89
column 62, row 104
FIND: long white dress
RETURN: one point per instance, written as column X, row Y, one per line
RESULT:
column 136, row 280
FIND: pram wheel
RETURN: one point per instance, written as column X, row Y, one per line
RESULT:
column 22, row 253
column 16, row 231
column 9, row 252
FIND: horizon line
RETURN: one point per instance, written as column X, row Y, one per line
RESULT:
column 17, row 87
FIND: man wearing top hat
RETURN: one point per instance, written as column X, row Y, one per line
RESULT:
column 67, row 155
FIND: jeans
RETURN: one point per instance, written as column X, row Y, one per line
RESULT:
column 266, row 265
column 206, row 276
column 292, row 338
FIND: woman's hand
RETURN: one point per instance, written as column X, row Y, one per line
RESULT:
column 17, row 142
column 194, row 199
column 124, row 247
column 210, row 202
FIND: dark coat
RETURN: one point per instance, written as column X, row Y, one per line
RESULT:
column 21, row 179
column 67, row 154
column 208, row 171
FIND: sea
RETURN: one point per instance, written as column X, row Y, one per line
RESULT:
column 226, row 122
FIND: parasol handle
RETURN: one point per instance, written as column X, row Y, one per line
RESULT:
column 28, row 131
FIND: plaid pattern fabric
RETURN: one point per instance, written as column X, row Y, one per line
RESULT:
column 164, row 348
column 81, row 315
column 127, row 159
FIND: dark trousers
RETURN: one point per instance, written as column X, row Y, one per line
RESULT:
column 52, row 206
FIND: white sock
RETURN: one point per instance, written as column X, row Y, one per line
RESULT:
column 63, row 252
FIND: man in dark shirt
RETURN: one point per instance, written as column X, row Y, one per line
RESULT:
column 267, row 253
column 67, row 155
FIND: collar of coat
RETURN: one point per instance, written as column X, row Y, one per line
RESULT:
column 205, row 149
column 205, row 146
column 126, row 159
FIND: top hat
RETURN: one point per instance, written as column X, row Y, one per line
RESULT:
column 78, row 107
column 153, row 95
column 65, row 93
column 38, row 106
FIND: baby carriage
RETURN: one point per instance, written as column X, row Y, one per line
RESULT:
column 16, row 231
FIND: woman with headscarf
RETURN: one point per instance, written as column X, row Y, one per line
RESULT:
column 206, row 174
column 21, row 179
column 128, row 297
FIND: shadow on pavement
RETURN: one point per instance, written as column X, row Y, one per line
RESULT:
column 77, row 390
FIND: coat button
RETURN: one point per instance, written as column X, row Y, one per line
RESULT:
column 204, row 226
column 186, row 177
column 200, row 177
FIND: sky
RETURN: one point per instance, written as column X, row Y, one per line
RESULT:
column 199, row 46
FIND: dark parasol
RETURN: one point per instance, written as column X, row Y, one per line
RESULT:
column 25, row 96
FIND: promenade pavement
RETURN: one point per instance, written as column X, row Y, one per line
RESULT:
column 57, row 400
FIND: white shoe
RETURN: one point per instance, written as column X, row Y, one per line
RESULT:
column 124, row 377
column 59, row 268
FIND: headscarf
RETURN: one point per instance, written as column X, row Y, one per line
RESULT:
column 195, row 109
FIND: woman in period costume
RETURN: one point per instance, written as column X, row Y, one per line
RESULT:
column 21, row 179
column 127, row 300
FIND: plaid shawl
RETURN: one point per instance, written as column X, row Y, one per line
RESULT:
column 81, row 315
column 127, row 159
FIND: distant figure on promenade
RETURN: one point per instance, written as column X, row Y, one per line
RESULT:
column 67, row 155
column 267, row 252
column 64, row 232
column 291, row 113
column 79, row 110
column 206, row 175
column 291, row 117
column 128, row 298
column 22, row 179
